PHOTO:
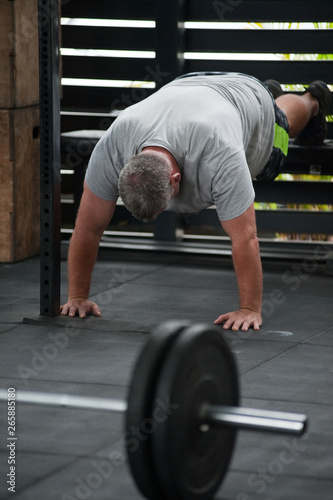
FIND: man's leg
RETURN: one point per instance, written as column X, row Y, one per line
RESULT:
column 306, row 113
column 298, row 109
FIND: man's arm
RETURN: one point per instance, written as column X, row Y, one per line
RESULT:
column 247, row 263
column 93, row 217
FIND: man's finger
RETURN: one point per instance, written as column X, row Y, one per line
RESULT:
column 256, row 325
column 221, row 318
column 96, row 310
column 245, row 326
column 237, row 324
column 82, row 312
column 72, row 311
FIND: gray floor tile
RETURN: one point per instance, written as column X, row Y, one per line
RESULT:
column 324, row 338
column 189, row 277
column 246, row 486
column 68, row 432
column 294, row 319
column 103, row 390
column 302, row 316
column 308, row 455
column 30, row 469
column 19, row 291
column 297, row 278
column 111, row 279
column 157, row 303
column 71, row 355
column 252, row 354
column 302, row 374
column 7, row 327
column 84, row 478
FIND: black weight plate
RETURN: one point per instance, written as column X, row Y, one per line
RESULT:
column 191, row 460
column 140, row 420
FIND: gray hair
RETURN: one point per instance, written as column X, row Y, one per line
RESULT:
column 144, row 185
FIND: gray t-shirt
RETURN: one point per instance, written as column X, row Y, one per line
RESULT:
column 220, row 130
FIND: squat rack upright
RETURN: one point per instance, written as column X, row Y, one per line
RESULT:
column 50, row 162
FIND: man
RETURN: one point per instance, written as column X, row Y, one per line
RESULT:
column 198, row 141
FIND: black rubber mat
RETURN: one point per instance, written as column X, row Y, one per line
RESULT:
column 287, row 366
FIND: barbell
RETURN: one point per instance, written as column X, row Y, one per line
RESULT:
column 182, row 412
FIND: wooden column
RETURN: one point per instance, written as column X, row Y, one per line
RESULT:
column 19, row 130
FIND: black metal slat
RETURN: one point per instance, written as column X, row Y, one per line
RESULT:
column 169, row 54
column 169, row 38
column 307, row 169
column 305, row 155
column 294, row 221
column 284, row 71
column 283, row 221
column 101, row 99
column 330, row 126
column 299, row 192
column 93, row 37
column 262, row 41
column 110, row 9
column 316, row 156
column 85, row 122
column 50, row 215
column 108, row 68
column 260, row 10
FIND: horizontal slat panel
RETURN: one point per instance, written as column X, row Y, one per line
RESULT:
column 109, row 68
column 68, row 215
column 110, row 9
column 295, row 163
column 295, row 192
column 261, row 10
column 304, row 155
column 301, row 165
column 79, row 122
column 265, row 41
column 307, row 169
column 287, row 221
column 92, row 37
column 100, row 99
column 284, row 221
column 283, row 71
column 294, row 221
column 330, row 127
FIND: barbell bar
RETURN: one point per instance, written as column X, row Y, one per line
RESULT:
column 189, row 372
column 67, row 401
column 254, row 419
column 241, row 418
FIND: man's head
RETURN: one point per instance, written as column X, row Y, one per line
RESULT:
column 147, row 184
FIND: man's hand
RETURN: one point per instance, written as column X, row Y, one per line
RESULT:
column 80, row 306
column 242, row 319
column 247, row 263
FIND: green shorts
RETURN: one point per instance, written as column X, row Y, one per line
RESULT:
column 280, row 147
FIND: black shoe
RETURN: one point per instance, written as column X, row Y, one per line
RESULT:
column 274, row 87
column 315, row 132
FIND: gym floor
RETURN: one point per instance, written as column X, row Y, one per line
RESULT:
column 287, row 365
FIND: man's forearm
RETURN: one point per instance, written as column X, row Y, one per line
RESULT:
column 248, row 269
column 81, row 260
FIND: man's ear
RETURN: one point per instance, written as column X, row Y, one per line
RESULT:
column 176, row 177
